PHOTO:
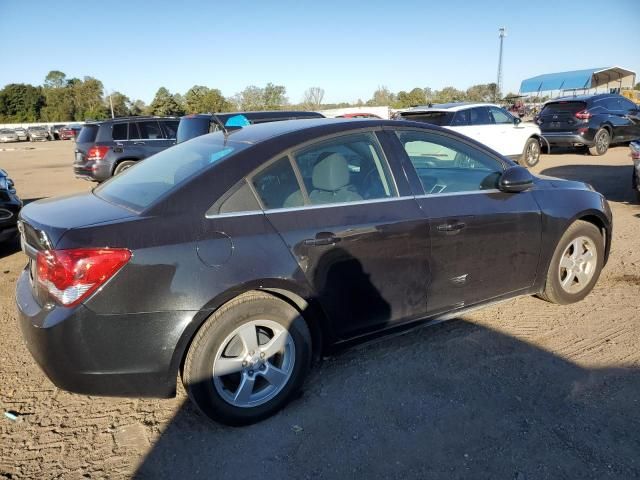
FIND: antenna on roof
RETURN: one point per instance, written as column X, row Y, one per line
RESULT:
column 219, row 122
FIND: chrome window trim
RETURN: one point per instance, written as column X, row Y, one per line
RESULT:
column 449, row 194
column 234, row 214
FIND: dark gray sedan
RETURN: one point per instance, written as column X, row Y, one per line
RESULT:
column 236, row 258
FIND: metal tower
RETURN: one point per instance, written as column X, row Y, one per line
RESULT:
column 503, row 33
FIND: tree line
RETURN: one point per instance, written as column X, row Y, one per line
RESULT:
column 61, row 99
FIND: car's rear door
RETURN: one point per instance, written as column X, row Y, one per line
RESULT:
column 358, row 236
column 484, row 242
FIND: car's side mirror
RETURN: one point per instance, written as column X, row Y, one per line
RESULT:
column 515, row 179
column 516, row 121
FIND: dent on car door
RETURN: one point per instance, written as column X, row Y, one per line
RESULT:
column 362, row 247
column 485, row 243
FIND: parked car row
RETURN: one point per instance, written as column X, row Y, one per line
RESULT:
column 40, row 133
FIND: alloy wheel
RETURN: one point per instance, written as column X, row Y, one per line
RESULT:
column 254, row 363
column 578, row 265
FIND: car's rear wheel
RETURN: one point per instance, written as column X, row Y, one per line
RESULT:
column 601, row 142
column 576, row 264
column 248, row 359
column 122, row 166
column 531, row 153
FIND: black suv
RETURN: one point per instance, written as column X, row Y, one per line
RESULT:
column 10, row 206
column 593, row 121
column 194, row 125
column 106, row 148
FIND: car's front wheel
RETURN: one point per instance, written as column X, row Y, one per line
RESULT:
column 531, row 153
column 248, row 359
column 576, row 264
column 601, row 142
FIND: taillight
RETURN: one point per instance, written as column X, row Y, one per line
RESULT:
column 97, row 153
column 70, row 276
column 583, row 115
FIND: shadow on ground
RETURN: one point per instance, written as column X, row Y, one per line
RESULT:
column 613, row 181
column 455, row 400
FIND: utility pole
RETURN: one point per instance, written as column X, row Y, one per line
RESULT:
column 111, row 105
column 503, row 33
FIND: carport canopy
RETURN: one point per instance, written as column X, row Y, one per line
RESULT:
column 616, row 77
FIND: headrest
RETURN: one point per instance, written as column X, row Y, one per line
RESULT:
column 331, row 173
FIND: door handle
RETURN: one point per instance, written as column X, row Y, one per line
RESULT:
column 322, row 238
column 451, row 227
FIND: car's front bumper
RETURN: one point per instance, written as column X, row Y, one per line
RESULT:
column 112, row 355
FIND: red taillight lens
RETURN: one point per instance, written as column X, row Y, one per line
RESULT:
column 97, row 153
column 70, row 276
column 583, row 115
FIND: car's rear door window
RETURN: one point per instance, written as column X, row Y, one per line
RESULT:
column 348, row 168
column 479, row 116
column 150, row 130
column 119, row 131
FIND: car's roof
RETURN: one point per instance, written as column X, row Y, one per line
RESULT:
column 320, row 126
column 449, row 107
column 582, row 98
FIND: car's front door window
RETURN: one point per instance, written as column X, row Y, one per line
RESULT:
column 500, row 116
column 445, row 165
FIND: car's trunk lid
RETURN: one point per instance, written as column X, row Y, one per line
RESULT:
column 560, row 116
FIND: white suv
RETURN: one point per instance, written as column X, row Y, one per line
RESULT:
column 486, row 123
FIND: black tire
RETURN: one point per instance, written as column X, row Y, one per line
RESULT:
column 122, row 166
column 601, row 142
column 553, row 291
column 197, row 375
column 531, row 153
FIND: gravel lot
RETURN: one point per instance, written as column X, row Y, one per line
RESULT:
column 521, row 390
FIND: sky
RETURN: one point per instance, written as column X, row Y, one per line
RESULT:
column 348, row 48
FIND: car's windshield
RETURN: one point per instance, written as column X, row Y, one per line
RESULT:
column 144, row 183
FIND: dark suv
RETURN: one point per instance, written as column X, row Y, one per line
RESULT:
column 194, row 125
column 106, row 148
column 593, row 121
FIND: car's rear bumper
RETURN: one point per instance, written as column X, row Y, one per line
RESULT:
column 568, row 139
column 93, row 171
column 112, row 355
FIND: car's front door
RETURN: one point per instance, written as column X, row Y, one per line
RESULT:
column 485, row 242
column 362, row 246
column 149, row 140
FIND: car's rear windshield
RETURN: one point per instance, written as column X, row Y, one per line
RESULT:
column 434, row 118
column 147, row 181
column 563, row 107
column 87, row 134
column 191, row 127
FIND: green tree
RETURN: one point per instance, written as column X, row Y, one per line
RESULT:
column 481, row 93
column 637, row 87
column 200, row 99
column 21, row 102
column 273, row 96
column 165, row 104
column 448, row 94
column 55, row 79
column 138, row 107
column 381, row 97
column 88, row 99
column 121, row 104
column 249, row 99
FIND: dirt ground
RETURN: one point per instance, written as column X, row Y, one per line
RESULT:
column 521, row 390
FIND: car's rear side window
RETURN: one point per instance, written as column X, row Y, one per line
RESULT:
column 88, row 134
column 119, row 131
column 170, row 128
column 277, row 185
